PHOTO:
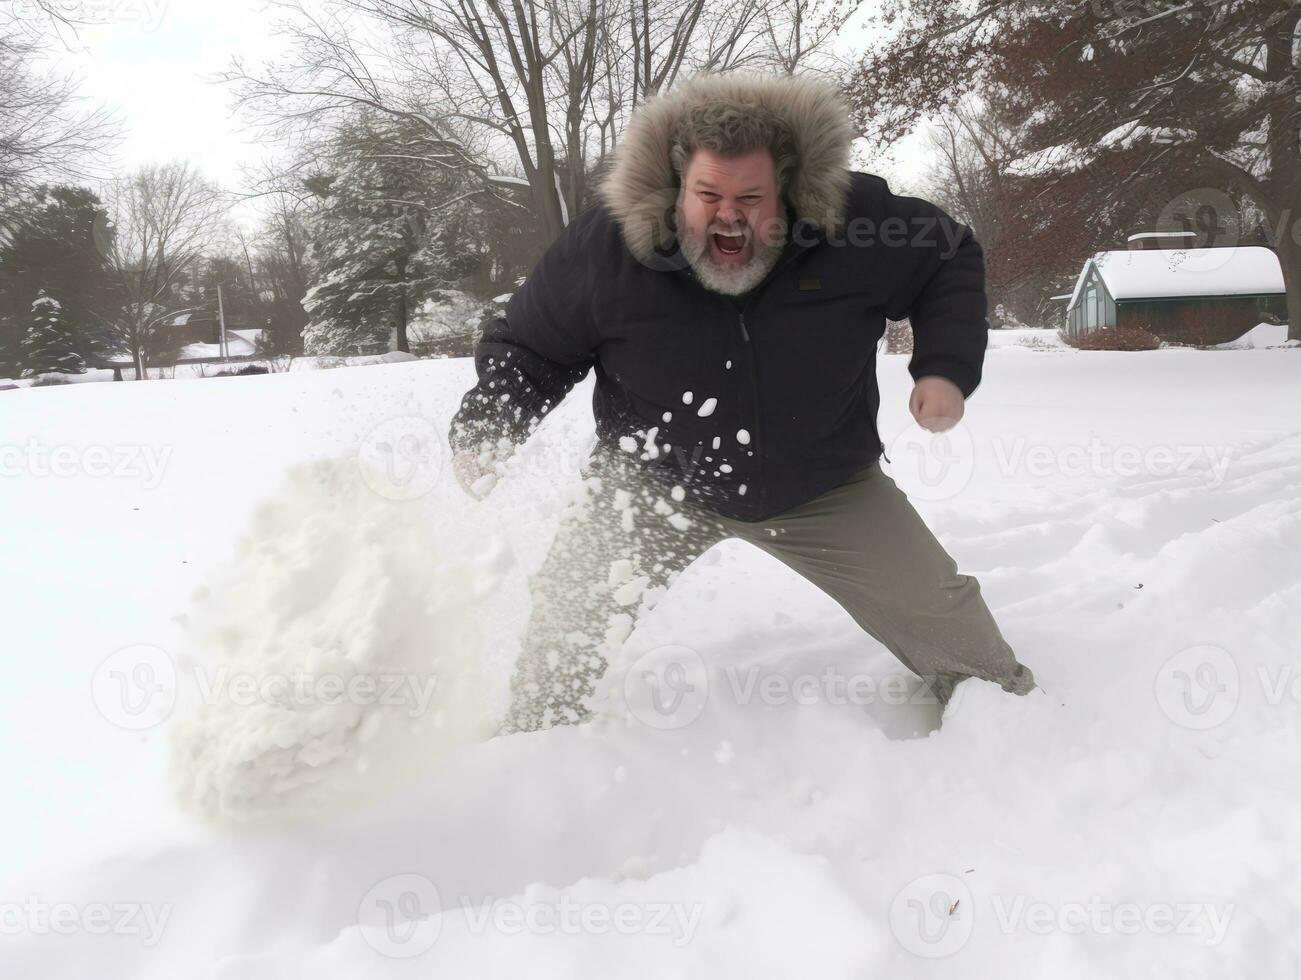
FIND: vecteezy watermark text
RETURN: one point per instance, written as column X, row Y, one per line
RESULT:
column 668, row 687
column 36, row 459
column 36, row 917
column 1200, row 687
column 935, row 915
column 413, row 691
column 1099, row 458
column 136, row 687
column 402, row 916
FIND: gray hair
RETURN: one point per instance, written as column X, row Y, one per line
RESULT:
column 733, row 129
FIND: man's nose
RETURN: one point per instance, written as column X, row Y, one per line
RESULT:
column 729, row 217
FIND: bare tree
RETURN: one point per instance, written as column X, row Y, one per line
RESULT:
column 973, row 147
column 800, row 31
column 538, row 89
column 1123, row 107
column 45, row 131
column 164, row 217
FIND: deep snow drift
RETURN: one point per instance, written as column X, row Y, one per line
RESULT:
column 1134, row 520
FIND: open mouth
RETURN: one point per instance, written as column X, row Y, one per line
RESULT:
column 729, row 244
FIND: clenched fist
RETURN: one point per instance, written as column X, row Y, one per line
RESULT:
column 475, row 475
column 936, row 403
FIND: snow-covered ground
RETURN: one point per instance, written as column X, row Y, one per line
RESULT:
column 1033, row 338
column 1134, row 519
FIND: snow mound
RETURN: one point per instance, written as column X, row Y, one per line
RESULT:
column 1261, row 335
column 709, row 917
column 336, row 654
column 1030, row 338
column 323, row 362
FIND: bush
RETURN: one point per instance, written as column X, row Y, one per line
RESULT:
column 1113, row 338
column 250, row 369
column 46, row 379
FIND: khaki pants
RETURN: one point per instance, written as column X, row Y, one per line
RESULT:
column 862, row 543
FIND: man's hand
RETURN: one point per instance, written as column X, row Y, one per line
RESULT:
column 936, row 403
column 476, row 476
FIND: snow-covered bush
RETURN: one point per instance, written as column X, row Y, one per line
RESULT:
column 448, row 322
column 1113, row 338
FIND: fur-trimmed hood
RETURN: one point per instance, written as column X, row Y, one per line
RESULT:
column 640, row 189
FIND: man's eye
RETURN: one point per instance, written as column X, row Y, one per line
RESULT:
column 751, row 199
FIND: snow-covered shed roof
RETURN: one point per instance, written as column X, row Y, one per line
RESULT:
column 1153, row 235
column 1239, row 270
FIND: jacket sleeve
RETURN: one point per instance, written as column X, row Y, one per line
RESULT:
column 530, row 358
column 941, row 292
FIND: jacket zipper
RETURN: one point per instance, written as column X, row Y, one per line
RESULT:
column 757, row 435
column 756, row 443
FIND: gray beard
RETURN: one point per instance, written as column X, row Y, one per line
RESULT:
column 729, row 281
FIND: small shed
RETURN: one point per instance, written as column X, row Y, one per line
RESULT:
column 1182, row 294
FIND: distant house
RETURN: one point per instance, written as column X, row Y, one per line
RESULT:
column 198, row 337
column 195, row 338
column 1180, row 293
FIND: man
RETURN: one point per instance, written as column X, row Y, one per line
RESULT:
column 730, row 292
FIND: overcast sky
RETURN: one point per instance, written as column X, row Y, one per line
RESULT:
column 150, row 59
column 150, row 64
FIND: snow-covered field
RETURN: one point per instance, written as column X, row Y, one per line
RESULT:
column 1134, row 519
column 1034, row 338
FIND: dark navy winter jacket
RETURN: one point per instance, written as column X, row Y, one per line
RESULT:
column 751, row 404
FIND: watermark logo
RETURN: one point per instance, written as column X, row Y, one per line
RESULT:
column 667, row 687
column 655, row 220
column 401, row 916
column 36, row 917
column 135, row 687
column 1209, row 463
column 567, row 915
column 1207, row 221
column 308, row 689
column 1204, row 920
column 933, row 916
column 401, row 458
column 933, row 465
column 1281, row 684
column 145, row 463
column 1199, row 687
column 836, row 688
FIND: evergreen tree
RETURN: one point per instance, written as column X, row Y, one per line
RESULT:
column 376, row 242
column 49, row 344
column 55, row 242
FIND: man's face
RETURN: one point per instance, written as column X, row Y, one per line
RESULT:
column 731, row 221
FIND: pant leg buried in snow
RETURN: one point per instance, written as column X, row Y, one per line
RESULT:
column 865, row 545
column 616, row 550
column 862, row 543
